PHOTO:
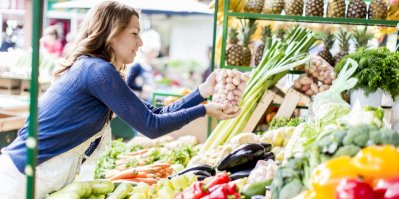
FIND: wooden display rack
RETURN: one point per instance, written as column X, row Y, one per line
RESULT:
column 288, row 105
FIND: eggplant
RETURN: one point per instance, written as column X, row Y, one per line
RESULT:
column 202, row 167
column 269, row 155
column 244, row 157
column 201, row 177
column 195, row 172
column 240, row 174
column 267, row 146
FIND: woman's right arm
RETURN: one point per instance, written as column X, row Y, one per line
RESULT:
column 106, row 84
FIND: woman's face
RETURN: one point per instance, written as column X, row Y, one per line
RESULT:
column 127, row 42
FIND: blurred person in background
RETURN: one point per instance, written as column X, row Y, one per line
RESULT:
column 51, row 42
column 140, row 76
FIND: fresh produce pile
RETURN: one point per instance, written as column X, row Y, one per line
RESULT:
column 373, row 173
column 230, row 85
column 149, row 174
column 142, row 155
column 278, row 122
column 166, row 189
column 217, row 187
column 318, row 78
column 91, row 189
column 278, row 138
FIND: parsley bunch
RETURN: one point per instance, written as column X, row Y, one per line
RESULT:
column 378, row 68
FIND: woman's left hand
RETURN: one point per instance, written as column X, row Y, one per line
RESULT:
column 207, row 88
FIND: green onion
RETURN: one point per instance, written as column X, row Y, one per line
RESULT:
column 278, row 58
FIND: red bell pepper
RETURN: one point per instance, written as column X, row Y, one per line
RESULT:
column 220, row 178
column 387, row 188
column 354, row 189
column 195, row 191
column 223, row 191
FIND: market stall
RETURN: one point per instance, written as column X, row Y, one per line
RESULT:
column 312, row 136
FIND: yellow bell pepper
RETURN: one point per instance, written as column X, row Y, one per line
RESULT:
column 326, row 177
column 377, row 162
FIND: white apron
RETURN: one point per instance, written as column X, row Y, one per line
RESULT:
column 54, row 173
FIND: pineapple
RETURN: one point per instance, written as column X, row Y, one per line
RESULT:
column 234, row 55
column 266, row 33
column 314, row 8
column 378, row 9
column 336, row 8
column 356, row 9
column 294, row 7
column 280, row 34
column 255, row 6
column 273, row 6
column 361, row 38
column 248, row 28
column 328, row 40
column 343, row 40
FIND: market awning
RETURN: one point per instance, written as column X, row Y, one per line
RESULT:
column 170, row 7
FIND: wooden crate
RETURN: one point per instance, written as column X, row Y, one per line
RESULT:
column 9, row 122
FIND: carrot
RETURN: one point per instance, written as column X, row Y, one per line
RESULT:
column 121, row 167
column 150, row 175
column 169, row 170
column 128, row 173
column 149, row 181
column 162, row 165
column 139, row 152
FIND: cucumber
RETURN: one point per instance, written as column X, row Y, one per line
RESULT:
column 101, row 187
column 77, row 187
column 256, row 188
column 121, row 191
column 64, row 195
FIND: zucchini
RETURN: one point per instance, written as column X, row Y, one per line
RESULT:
column 64, row 195
column 83, row 189
column 256, row 188
column 101, row 187
column 121, row 191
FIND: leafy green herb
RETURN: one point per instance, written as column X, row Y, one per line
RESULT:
column 283, row 122
column 378, row 68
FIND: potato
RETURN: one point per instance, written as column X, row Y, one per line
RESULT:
column 305, row 80
column 230, row 73
column 297, row 85
column 309, row 92
column 314, row 88
column 230, row 86
column 327, row 81
column 230, row 96
column 238, row 92
column 241, row 87
column 223, row 73
column 305, row 88
column 236, row 80
column 244, row 77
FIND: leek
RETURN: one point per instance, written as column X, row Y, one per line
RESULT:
column 278, row 58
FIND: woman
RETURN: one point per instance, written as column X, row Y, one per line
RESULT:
column 75, row 111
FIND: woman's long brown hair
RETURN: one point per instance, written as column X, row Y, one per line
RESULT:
column 101, row 24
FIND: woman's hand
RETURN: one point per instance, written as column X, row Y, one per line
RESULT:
column 216, row 110
column 207, row 88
